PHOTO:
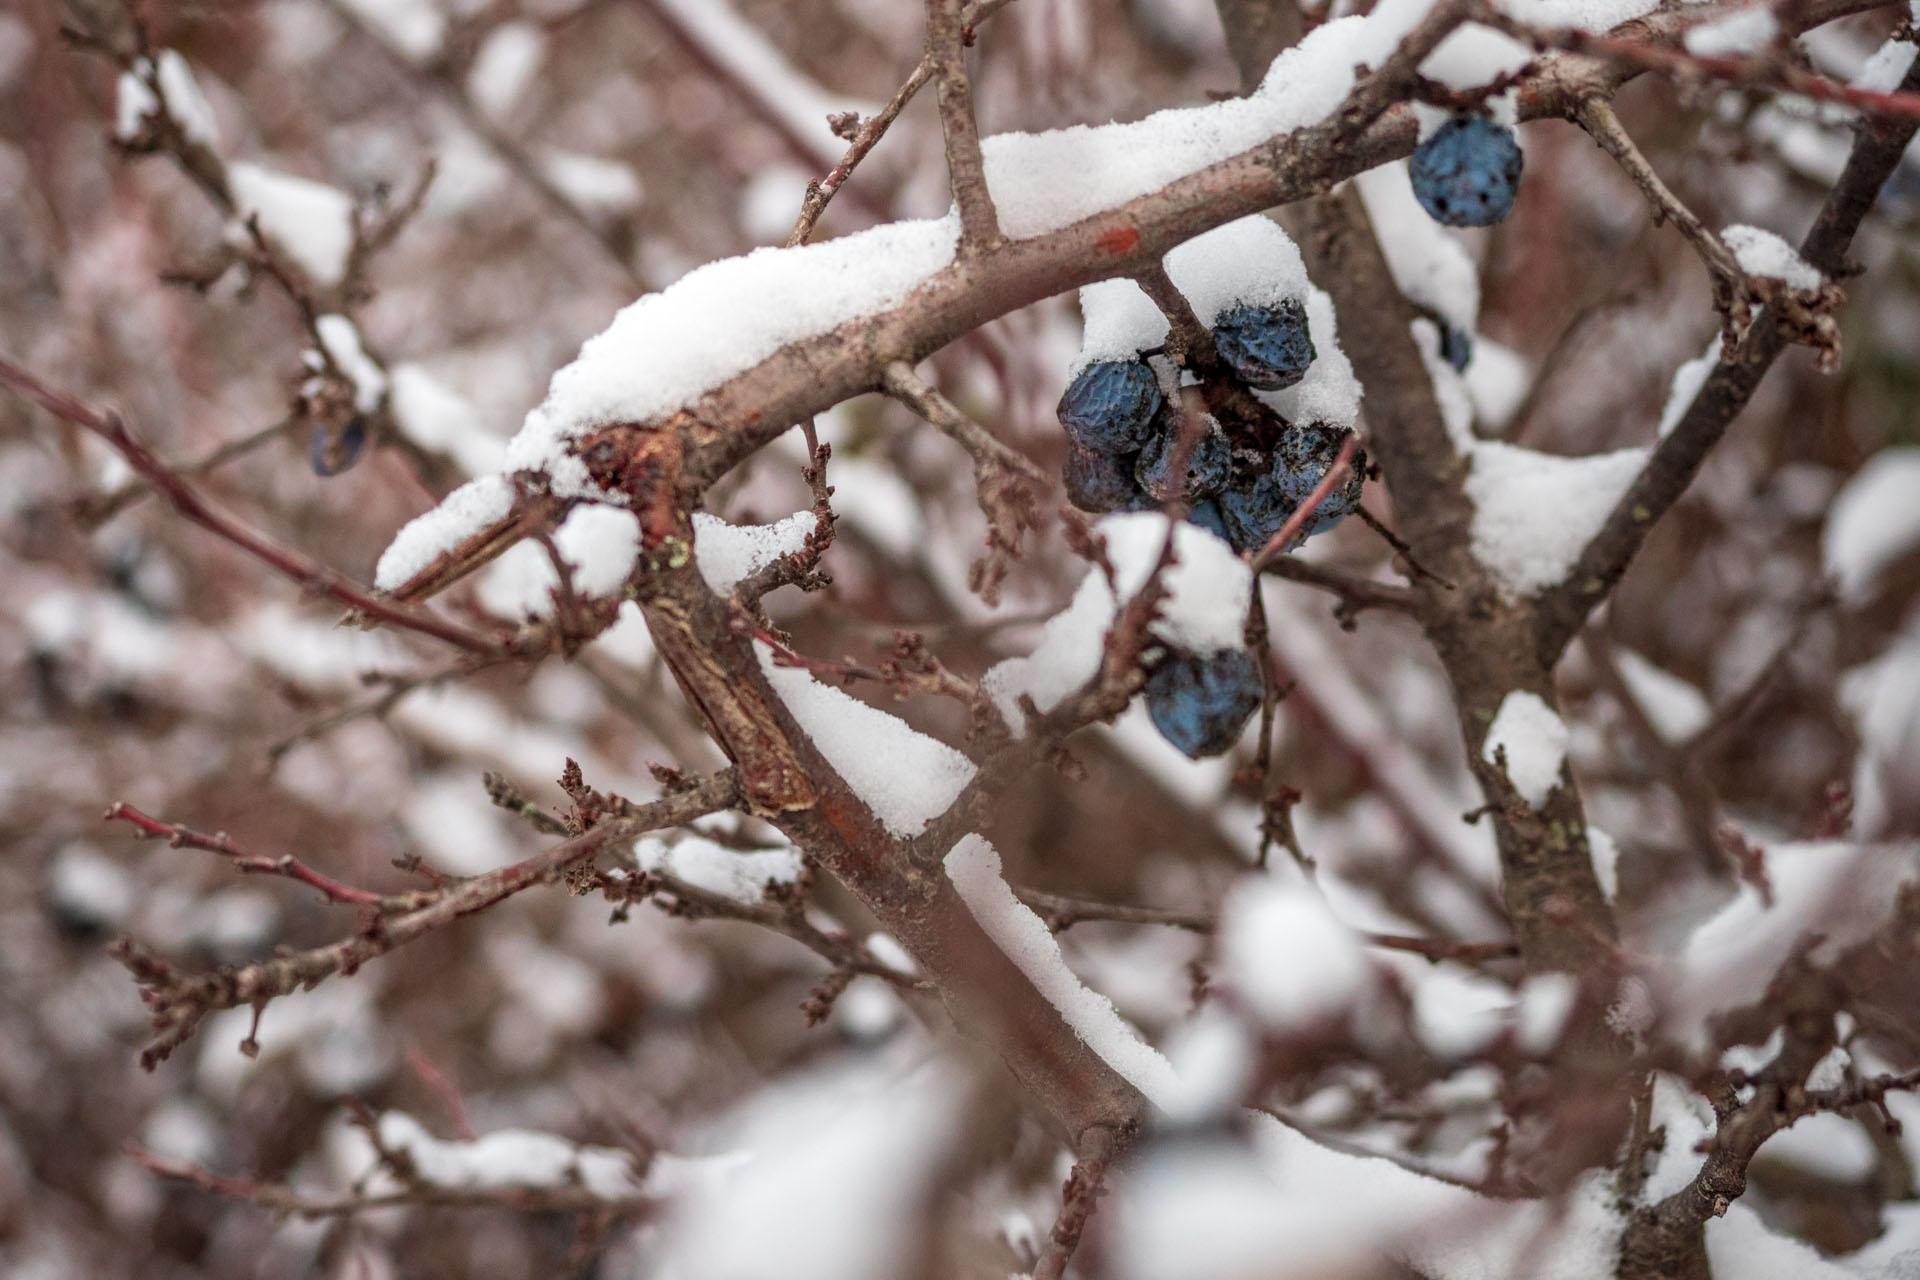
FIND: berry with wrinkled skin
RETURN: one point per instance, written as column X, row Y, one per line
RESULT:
column 1268, row 347
column 1209, row 462
column 1206, row 514
column 1102, row 482
column 1110, row 405
column 1200, row 702
column 1255, row 510
column 1466, row 174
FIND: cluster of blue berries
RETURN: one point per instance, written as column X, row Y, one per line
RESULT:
column 1466, row 174
column 1135, row 448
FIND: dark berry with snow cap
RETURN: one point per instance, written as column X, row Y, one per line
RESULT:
column 1466, row 174
column 1209, row 461
column 1109, row 406
column 1102, row 482
column 1200, row 702
column 1268, row 346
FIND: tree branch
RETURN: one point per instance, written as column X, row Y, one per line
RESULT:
column 1678, row 457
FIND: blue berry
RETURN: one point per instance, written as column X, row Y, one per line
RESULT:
column 1456, row 347
column 1269, row 347
column 1209, row 462
column 1206, row 514
column 1102, row 482
column 330, row 454
column 1466, row 174
column 1110, row 404
column 1256, row 509
column 1201, row 702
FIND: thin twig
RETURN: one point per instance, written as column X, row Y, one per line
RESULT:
column 1732, row 292
column 1335, row 477
column 1099, row 1147
column 310, row 574
column 1009, row 486
column 966, row 170
column 286, row 865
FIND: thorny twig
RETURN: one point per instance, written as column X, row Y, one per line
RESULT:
column 187, row 500
column 180, row 1002
column 1008, row 485
column 259, row 864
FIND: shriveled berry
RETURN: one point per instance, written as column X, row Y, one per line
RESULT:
column 1102, row 482
column 1255, row 510
column 1110, row 404
column 1466, row 174
column 1269, row 347
column 1200, row 702
column 1209, row 462
column 1206, row 513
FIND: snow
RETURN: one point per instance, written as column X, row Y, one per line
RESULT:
column 1497, row 380
column 1290, row 961
column 594, row 183
column 510, row 1158
column 1428, row 262
column 738, row 874
column 1585, row 15
column 1546, row 1001
column 1887, row 67
column 1120, row 321
column 1205, row 610
column 1687, row 381
column 1874, row 521
column 1535, row 741
column 750, row 60
column 310, row 221
column 461, row 514
column 1214, row 1058
column 506, row 63
column 1762, row 253
column 83, row 884
column 1744, row 31
column 1883, row 698
column 1676, row 709
column 1247, row 262
column 665, row 350
column 728, row 554
column 1472, row 56
column 1111, row 164
column 1740, row 1244
column 599, row 543
column 136, row 102
column 1605, row 851
column 450, row 821
column 414, row 27
column 440, row 419
column 905, row 777
column 973, row 866
column 1210, row 1210
column 1535, row 512
column 1826, row 1145
column 1836, row 890
column 340, row 339
column 825, row 1177
column 1456, row 1012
